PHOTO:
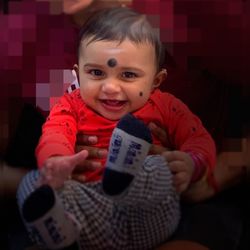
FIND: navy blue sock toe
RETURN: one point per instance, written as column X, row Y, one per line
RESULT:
column 133, row 126
column 43, row 210
column 38, row 203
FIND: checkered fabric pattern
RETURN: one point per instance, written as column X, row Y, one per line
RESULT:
column 142, row 217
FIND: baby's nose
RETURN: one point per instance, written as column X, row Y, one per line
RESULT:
column 111, row 87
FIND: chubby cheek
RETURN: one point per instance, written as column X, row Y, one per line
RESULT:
column 87, row 93
column 140, row 97
column 144, row 93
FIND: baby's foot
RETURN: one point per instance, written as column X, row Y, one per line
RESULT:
column 50, row 225
column 129, row 146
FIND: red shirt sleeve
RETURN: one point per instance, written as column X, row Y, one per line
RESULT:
column 59, row 131
column 186, row 133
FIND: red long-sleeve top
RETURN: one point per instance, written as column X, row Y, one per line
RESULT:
column 71, row 115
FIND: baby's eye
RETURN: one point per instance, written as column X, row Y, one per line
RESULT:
column 96, row 72
column 128, row 74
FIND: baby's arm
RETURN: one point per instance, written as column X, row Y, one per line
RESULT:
column 59, row 131
column 194, row 149
column 180, row 163
column 55, row 150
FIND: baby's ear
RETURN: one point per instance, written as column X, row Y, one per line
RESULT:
column 159, row 78
column 75, row 73
column 76, row 68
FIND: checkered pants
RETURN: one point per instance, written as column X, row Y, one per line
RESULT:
column 142, row 217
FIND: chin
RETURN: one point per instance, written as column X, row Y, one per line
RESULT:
column 113, row 117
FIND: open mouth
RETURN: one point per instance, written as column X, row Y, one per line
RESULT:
column 113, row 104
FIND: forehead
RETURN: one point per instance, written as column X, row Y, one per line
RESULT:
column 126, row 43
column 125, row 50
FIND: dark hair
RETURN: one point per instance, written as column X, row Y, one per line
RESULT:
column 117, row 24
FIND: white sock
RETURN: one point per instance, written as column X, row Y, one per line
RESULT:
column 50, row 224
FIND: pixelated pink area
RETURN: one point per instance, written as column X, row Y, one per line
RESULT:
column 36, row 47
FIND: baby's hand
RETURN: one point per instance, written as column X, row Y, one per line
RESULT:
column 182, row 167
column 57, row 169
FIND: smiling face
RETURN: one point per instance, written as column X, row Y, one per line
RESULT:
column 113, row 90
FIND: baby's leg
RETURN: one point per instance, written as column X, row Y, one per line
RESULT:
column 128, row 148
column 142, row 190
column 153, row 204
column 47, row 222
column 149, row 206
column 96, row 214
column 80, row 211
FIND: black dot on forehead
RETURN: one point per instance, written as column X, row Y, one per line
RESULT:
column 141, row 93
column 112, row 62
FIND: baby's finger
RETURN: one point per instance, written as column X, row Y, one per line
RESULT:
column 79, row 177
column 176, row 166
column 179, row 178
column 77, row 158
column 156, row 149
column 172, row 155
